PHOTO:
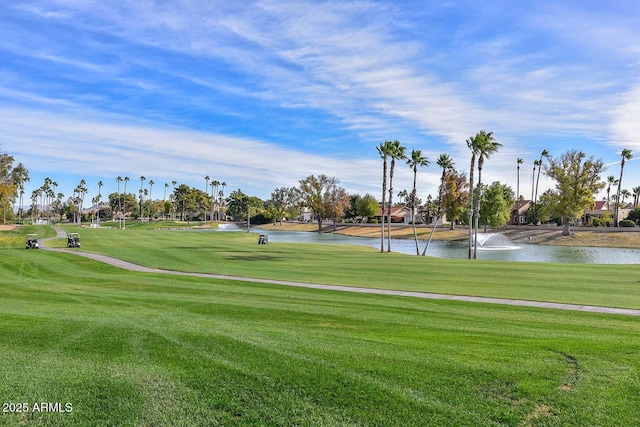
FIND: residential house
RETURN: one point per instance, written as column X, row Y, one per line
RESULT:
column 399, row 214
column 519, row 212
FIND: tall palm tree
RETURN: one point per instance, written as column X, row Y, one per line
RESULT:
column 446, row 163
column 625, row 155
column 214, row 195
column 397, row 153
column 98, row 198
column 611, row 180
column 383, row 150
column 119, row 180
column 519, row 162
column 173, row 202
column 221, row 198
column 124, row 205
column 472, row 144
column 543, row 155
column 149, row 199
column 142, row 179
column 487, row 145
column 206, row 191
column 533, row 180
column 416, row 160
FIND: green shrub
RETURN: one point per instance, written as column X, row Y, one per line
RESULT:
column 627, row 223
column 595, row 222
column 373, row 221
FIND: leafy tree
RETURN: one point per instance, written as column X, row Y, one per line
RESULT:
column 283, row 200
column 455, row 196
column 237, row 204
column 317, row 193
column 11, row 184
column 337, row 202
column 577, row 181
column 367, row 206
column 549, row 207
column 634, row 215
column 497, row 202
column 240, row 205
column 190, row 201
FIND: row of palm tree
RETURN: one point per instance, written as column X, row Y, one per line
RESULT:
column 216, row 196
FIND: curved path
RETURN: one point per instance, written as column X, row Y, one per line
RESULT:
column 427, row 295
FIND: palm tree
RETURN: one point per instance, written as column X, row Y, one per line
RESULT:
column 636, row 196
column 625, row 193
column 487, row 145
column 414, row 161
column 150, row 199
column 100, row 185
column 173, row 202
column 473, row 146
column 214, row 193
column 124, row 206
column 446, row 163
column 533, row 180
column 519, row 162
column 543, row 155
column 206, row 191
column 611, row 180
column 221, row 198
column 383, row 150
column 626, row 155
column 142, row 179
column 397, row 153
column 119, row 180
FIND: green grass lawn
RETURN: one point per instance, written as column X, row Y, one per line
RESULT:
column 237, row 254
column 131, row 349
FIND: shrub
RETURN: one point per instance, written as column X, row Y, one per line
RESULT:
column 595, row 222
column 374, row 220
column 627, row 223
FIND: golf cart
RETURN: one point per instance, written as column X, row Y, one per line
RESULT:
column 32, row 241
column 73, row 240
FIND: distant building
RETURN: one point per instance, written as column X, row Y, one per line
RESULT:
column 519, row 212
column 399, row 214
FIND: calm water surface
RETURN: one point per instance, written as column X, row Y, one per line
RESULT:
column 495, row 247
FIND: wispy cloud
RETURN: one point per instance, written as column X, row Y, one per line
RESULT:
column 247, row 85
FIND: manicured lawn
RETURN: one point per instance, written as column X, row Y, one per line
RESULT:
column 237, row 254
column 139, row 349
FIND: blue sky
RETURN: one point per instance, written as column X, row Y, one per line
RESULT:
column 260, row 94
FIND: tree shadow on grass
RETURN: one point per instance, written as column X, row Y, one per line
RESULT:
column 256, row 257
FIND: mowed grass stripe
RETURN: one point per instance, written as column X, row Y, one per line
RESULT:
column 237, row 254
column 144, row 349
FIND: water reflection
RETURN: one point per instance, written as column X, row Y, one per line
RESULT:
column 500, row 251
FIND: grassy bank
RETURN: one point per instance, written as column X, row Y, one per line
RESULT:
column 138, row 349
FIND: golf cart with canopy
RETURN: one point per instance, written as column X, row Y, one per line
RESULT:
column 32, row 242
column 73, row 240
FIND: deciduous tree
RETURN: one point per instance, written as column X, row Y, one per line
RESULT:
column 577, row 181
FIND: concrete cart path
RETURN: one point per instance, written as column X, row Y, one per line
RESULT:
column 427, row 295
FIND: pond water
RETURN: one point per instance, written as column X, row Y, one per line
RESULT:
column 493, row 246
